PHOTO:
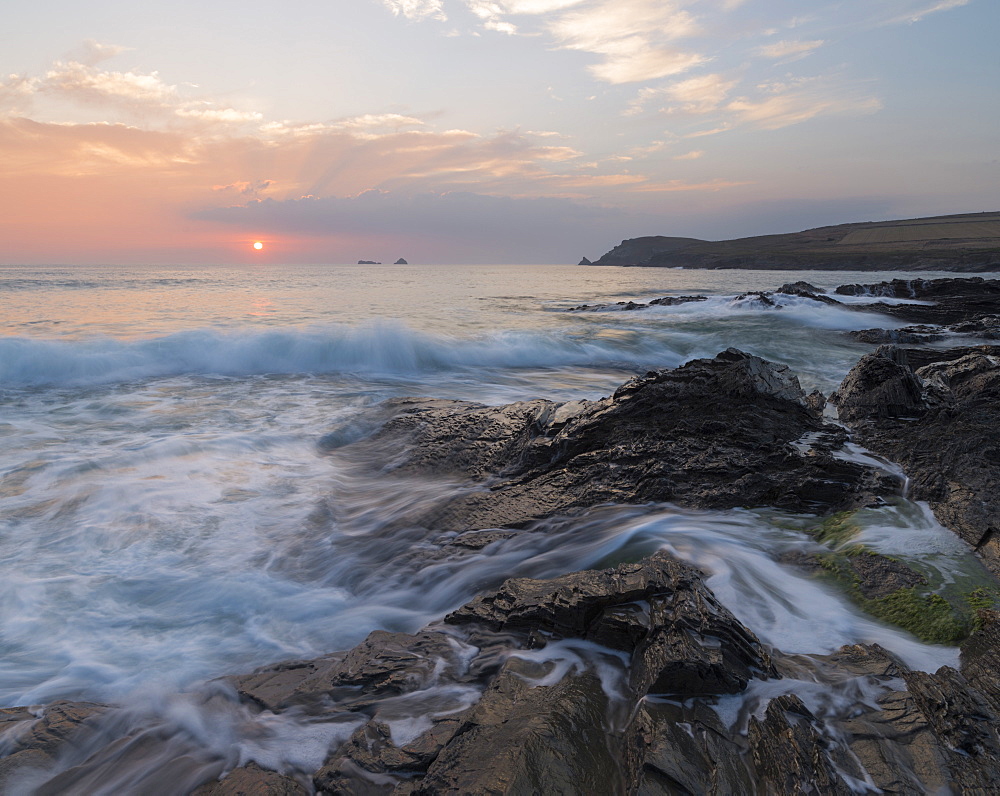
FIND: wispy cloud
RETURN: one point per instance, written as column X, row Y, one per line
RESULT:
column 784, row 105
column 637, row 39
column 417, row 9
column 789, row 49
column 696, row 95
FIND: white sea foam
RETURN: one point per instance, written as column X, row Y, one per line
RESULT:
column 370, row 349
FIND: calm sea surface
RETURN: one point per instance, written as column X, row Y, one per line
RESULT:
column 167, row 516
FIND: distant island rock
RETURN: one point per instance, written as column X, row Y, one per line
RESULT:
column 400, row 261
column 968, row 242
column 584, row 261
column 368, row 262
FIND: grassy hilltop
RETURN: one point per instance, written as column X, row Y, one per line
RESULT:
column 968, row 242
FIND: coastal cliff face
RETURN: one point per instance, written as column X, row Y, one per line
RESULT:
column 633, row 677
column 946, row 243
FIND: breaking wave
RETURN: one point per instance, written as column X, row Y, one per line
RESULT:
column 372, row 349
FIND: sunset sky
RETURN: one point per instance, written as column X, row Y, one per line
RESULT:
column 451, row 131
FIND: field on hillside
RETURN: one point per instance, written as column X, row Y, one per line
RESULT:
column 903, row 233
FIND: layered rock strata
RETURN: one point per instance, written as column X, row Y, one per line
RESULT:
column 939, row 421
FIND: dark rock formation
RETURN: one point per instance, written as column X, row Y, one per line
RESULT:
column 637, row 251
column 955, row 301
column 584, row 261
column 479, row 706
column 908, row 335
column 940, row 423
column 368, row 262
column 400, row 261
column 666, row 301
column 715, row 433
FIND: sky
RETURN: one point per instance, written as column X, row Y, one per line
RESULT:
column 481, row 131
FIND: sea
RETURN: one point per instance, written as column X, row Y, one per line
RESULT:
column 179, row 502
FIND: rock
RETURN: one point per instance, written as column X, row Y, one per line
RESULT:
column 368, row 262
column 953, row 300
column 789, row 755
column 800, row 287
column 637, row 251
column 400, row 261
column 878, row 576
column 981, row 658
column 919, row 357
column 881, row 385
column 906, row 335
column 939, row 423
column 714, row 433
column 584, row 261
column 58, row 723
column 681, row 639
column 626, row 306
column 252, row 780
column 522, row 738
column 383, row 664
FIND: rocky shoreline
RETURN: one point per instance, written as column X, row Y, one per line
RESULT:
column 635, row 678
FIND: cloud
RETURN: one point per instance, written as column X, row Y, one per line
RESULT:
column 417, row 9
column 694, row 154
column 782, row 103
column 94, row 52
column 84, row 83
column 917, row 11
column 249, row 190
column 635, row 37
column 789, row 49
column 696, row 95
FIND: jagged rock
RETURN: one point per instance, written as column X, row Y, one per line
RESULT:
column 29, row 741
column 368, row 262
column 800, row 287
column 58, row 722
column 522, row 738
column 907, row 335
column 383, row 664
column 681, row 639
column 683, row 748
column 400, row 261
column 919, row 357
column 881, row 385
column 939, row 423
column 789, row 755
column 981, row 658
column 252, row 780
column 986, row 327
column 954, row 300
column 584, row 261
column 760, row 297
column 964, row 726
column 714, row 433
column 627, row 306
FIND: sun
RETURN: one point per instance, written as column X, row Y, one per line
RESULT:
column 258, row 245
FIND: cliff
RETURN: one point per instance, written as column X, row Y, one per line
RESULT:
column 969, row 242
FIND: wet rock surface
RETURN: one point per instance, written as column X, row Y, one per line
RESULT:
column 596, row 682
column 665, row 301
column 633, row 679
column 952, row 301
column 939, row 421
column 714, row 433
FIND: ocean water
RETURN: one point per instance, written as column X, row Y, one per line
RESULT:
column 168, row 514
